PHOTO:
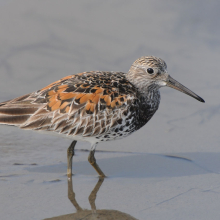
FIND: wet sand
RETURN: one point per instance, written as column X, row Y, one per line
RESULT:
column 170, row 168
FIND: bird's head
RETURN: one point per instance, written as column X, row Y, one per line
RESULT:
column 149, row 73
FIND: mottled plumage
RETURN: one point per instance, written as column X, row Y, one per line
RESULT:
column 94, row 106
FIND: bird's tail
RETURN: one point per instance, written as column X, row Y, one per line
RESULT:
column 16, row 111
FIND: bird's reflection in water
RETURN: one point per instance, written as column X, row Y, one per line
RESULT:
column 93, row 214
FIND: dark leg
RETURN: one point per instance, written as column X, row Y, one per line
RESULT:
column 92, row 161
column 70, row 153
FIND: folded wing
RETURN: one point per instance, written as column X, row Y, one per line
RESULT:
column 85, row 104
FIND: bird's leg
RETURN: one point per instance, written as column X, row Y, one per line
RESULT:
column 70, row 153
column 92, row 196
column 92, row 161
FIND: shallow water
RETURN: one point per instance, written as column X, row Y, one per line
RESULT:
column 170, row 168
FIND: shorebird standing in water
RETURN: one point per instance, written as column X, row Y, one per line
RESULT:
column 94, row 106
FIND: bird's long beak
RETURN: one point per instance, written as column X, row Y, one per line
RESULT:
column 176, row 85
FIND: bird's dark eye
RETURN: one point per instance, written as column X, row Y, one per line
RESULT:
column 150, row 70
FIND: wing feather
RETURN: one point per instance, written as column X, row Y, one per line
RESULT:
column 73, row 104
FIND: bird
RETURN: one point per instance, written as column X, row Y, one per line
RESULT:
column 94, row 106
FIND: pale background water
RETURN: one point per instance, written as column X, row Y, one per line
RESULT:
column 43, row 41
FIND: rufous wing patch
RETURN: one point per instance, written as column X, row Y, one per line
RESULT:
column 64, row 105
column 95, row 99
column 113, row 104
column 90, row 107
column 83, row 96
column 65, row 96
column 51, row 93
column 61, row 88
column 99, row 90
column 56, row 105
column 79, row 96
column 52, row 102
column 67, row 109
column 107, row 100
